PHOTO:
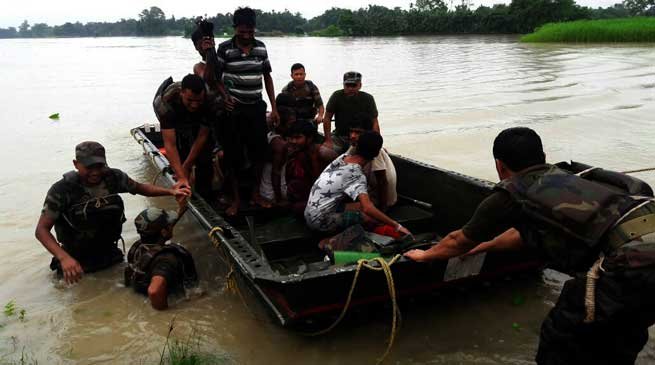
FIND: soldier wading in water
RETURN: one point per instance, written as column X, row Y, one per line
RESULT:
column 88, row 214
column 600, row 221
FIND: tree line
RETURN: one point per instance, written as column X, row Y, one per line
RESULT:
column 422, row 17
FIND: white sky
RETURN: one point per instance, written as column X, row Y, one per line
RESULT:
column 59, row 12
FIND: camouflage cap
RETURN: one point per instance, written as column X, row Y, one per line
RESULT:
column 352, row 77
column 90, row 153
column 153, row 220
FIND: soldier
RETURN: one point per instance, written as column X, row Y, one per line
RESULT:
column 600, row 222
column 88, row 214
column 155, row 267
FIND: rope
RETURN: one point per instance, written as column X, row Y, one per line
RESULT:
column 386, row 268
column 590, row 294
column 157, row 176
column 638, row 170
column 230, row 279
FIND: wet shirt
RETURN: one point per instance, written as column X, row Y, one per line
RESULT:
column 496, row 214
column 241, row 73
column 57, row 200
column 172, row 114
column 307, row 99
column 339, row 182
column 345, row 108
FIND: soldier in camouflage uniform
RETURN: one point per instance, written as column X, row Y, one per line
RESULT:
column 156, row 267
column 601, row 222
column 187, row 112
column 88, row 214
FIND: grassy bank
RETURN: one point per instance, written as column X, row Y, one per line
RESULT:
column 639, row 29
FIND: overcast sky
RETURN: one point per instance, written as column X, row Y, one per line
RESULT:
column 59, row 12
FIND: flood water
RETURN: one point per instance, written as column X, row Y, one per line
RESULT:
column 442, row 100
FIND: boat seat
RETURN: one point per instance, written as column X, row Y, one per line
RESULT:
column 404, row 213
column 284, row 228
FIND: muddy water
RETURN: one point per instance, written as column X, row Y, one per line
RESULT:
column 441, row 100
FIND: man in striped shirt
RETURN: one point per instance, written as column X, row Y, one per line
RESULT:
column 243, row 68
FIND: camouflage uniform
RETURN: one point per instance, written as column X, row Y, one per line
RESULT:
column 172, row 114
column 151, row 256
column 307, row 100
column 89, row 219
column 573, row 220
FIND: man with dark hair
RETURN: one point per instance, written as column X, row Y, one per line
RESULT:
column 185, row 114
column 307, row 99
column 380, row 173
column 202, row 43
column 344, row 105
column 596, row 221
column 304, row 164
column 243, row 66
column 339, row 197
column 88, row 214
column 156, row 267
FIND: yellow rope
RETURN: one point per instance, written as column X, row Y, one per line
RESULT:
column 638, row 170
column 231, row 284
column 590, row 294
column 386, row 268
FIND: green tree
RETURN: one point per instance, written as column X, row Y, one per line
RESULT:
column 431, row 5
column 152, row 22
column 41, row 30
column 639, row 7
column 24, row 29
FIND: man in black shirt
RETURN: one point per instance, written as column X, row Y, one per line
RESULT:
column 185, row 114
column 601, row 223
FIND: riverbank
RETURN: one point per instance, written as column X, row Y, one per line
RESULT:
column 639, row 29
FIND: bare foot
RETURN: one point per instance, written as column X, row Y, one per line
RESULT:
column 233, row 209
column 259, row 200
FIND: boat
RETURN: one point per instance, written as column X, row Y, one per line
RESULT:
column 279, row 258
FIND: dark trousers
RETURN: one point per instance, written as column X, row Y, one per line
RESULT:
column 625, row 308
column 243, row 135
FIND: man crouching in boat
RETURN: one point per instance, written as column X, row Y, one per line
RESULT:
column 328, row 209
column 603, row 226
column 155, row 267
column 186, row 113
column 88, row 214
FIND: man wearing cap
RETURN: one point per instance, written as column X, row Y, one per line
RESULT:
column 88, row 214
column 155, row 267
column 344, row 105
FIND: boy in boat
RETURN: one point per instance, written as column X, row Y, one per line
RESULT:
column 339, row 198
column 273, row 184
column 156, row 267
column 380, row 172
column 345, row 105
column 606, row 229
column 185, row 112
column 243, row 68
column 88, row 214
column 307, row 101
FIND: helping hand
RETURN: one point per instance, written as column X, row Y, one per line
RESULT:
column 71, row 269
column 416, row 255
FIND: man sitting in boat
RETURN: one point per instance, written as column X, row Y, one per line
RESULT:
column 604, row 226
column 88, row 214
column 185, row 113
column 304, row 165
column 273, row 185
column 155, row 267
column 344, row 105
column 380, row 172
column 339, row 198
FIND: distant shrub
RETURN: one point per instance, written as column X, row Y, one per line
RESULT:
column 638, row 29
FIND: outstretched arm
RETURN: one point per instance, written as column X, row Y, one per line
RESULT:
column 454, row 244
column 506, row 241
column 173, row 156
column 70, row 267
